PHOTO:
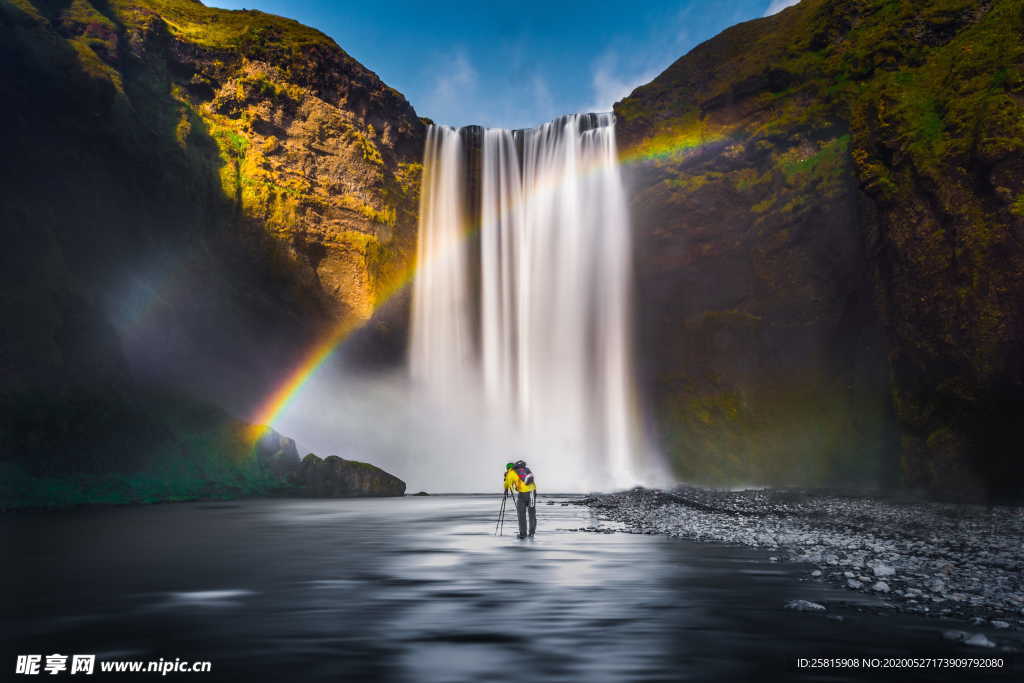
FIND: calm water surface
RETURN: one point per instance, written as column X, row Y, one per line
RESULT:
column 419, row 589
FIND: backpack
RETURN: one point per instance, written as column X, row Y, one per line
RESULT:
column 524, row 473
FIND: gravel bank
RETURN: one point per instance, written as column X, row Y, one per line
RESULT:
column 930, row 558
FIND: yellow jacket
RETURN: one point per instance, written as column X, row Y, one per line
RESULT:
column 513, row 482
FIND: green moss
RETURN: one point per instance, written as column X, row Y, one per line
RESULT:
column 1017, row 207
column 27, row 8
column 94, row 66
column 824, row 165
column 250, row 31
column 261, row 87
column 365, row 143
column 384, row 216
column 747, row 178
column 80, row 13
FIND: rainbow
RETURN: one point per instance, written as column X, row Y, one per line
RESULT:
column 675, row 141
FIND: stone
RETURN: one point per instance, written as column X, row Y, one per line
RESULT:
column 805, row 606
column 979, row 640
column 334, row 477
column 276, row 452
column 881, row 570
column 974, row 639
column 880, row 587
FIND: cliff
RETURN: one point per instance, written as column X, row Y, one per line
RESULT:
column 830, row 207
column 190, row 197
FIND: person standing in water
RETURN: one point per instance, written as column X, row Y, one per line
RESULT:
column 519, row 480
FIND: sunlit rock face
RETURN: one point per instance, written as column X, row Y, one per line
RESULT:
column 190, row 196
column 830, row 264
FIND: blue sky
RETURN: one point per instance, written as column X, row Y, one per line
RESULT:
column 515, row 64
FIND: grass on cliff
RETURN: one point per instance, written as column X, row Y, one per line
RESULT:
column 250, row 31
column 919, row 104
column 202, row 461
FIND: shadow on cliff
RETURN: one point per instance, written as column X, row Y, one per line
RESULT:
column 134, row 295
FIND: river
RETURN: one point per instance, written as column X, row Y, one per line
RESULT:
column 420, row 589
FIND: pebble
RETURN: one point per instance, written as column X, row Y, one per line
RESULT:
column 975, row 639
column 881, row 587
column 883, row 570
column 805, row 606
column 998, row 623
column 979, row 640
column 961, row 558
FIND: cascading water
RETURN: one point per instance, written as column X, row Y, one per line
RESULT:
column 546, row 287
column 441, row 351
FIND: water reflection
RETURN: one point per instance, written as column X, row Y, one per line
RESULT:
column 419, row 589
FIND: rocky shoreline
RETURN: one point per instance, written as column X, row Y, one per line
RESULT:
column 928, row 558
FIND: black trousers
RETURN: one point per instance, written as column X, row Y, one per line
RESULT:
column 526, row 502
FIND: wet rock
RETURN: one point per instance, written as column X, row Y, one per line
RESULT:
column 805, row 606
column 334, row 477
column 939, row 554
column 979, row 640
column 854, row 583
column 880, row 587
column 974, row 639
column 998, row 623
column 277, row 453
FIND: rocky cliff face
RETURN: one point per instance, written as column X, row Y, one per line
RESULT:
column 334, row 477
column 830, row 252
column 190, row 196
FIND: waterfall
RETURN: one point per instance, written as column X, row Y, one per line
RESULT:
column 529, row 318
column 441, row 349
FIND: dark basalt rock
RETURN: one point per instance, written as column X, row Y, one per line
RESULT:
column 829, row 211
column 334, row 477
column 278, row 453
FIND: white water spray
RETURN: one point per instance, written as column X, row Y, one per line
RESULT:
column 550, row 355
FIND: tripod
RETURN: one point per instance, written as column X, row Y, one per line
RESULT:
column 499, row 527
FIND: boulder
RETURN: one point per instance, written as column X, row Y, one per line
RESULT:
column 334, row 477
column 278, row 453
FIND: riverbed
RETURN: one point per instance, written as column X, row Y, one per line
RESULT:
column 420, row 589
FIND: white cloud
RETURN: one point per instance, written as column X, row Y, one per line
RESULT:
column 543, row 101
column 777, row 6
column 621, row 68
column 455, row 80
column 611, row 82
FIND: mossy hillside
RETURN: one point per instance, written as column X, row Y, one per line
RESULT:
column 175, row 449
column 922, row 101
column 144, row 219
column 306, row 137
